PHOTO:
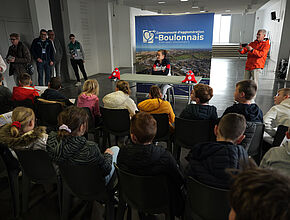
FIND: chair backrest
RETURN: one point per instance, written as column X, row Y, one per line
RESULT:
column 47, row 113
column 280, row 135
column 249, row 133
column 91, row 122
column 37, row 165
column 190, row 132
column 145, row 193
column 207, row 202
column 162, row 125
column 255, row 147
column 116, row 121
column 25, row 103
column 84, row 181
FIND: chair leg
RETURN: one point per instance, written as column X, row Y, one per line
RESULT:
column 25, row 192
column 14, row 188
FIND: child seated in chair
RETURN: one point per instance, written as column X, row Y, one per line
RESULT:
column 200, row 110
column 52, row 92
column 208, row 161
column 24, row 90
column 244, row 93
column 143, row 158
column 5, row 97
column 68, row 145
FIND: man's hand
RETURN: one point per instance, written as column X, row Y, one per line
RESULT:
column 39, row 60
column 109, row 151
column 50, row 63
column 12, row 60
column 249, row 48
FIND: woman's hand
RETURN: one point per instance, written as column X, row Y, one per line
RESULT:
column 109, row 151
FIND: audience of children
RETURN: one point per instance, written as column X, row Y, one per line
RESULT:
column 24, row 90
column 244, row 93
column 142, row 157
column 5, row 97
column 52, row 92
column 278, row 157
column 259, row 194
column 200, row 110
column 89, row 97
column 120, row 99
column 156, row 105
column 278, row 114
column 70, row 146
column 208, row 161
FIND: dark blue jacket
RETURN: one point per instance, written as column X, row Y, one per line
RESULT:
column 165, row 64
column 52, row 94
column 208, row 161
column 199, row 112
column 36, row 50
column 251, row 112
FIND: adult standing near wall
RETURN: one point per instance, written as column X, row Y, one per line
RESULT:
column 257, row 54
column 57, row 50
column 18, row 57
column 77, row 58
column 42, row 52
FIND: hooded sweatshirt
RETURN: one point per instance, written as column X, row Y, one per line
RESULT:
column 26, row 92
column 277, row 115
column 251, row 112
column 199, row 112
column 90, row 101
column 208, row 161
column 120, row 100
column 278, row 158
column 157, row 106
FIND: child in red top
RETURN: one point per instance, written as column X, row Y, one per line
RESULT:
column 24, row 90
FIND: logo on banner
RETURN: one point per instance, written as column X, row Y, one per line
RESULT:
column 148, row 36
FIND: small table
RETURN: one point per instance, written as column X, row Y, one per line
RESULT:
column 158, row 79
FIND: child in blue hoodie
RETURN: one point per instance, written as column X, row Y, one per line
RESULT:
column 244, row 93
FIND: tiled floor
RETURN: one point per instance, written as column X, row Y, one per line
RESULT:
column 225, row 73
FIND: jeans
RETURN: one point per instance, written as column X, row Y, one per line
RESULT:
column 56, row 69
column 115, row 150
column 75, row 64
column 43, row 66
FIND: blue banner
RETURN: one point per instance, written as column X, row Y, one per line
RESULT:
column 187, row 38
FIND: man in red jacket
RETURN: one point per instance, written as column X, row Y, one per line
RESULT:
column 257, row 54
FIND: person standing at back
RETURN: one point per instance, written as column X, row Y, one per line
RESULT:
column 57, row 50
column 42, row 52
column 18, row 57
column 77, row 58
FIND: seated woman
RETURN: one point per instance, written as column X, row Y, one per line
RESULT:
column 68, row 145
column 201, row 110
column 156, row 105
column 120, row 98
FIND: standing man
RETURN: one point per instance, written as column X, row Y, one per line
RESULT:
column 2, row 65
column 77, row 58
column 42, row 52
column 57, row 52
column 18, row 57
column 257, row 54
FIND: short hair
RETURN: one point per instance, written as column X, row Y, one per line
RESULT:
column 124, row 86
column 24, row 79
column 258, row 193
column 163, row 52
column 49, row 31
column 42, row 30
column 203, row 92
column 263, row 31
column 249, row 87
column 17, row 36
column 71, row 35
column 285, row 91
column 55, row 83
column 91, row 86
column 232, row 126
column 155, row 92
column 144, row 127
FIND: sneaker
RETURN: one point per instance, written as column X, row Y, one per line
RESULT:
column 78, row 84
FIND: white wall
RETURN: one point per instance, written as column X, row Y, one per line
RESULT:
column 242, row 27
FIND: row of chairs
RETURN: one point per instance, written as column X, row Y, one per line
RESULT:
column 150, row 194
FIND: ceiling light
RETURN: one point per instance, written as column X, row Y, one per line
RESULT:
column 161, row 2
column 184, row 0
column 194, row 6
column 228, row 10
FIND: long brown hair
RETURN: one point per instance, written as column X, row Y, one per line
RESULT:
column 22, row 115
column 124, row 87
column 155, row 92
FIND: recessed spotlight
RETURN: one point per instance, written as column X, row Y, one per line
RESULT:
column 184, row 0
column 161, row 2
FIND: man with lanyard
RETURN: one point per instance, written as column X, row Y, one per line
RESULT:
column 57, row 49
column 42, row 52
column 257, row 54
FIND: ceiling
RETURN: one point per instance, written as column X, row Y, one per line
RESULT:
column 216, row 6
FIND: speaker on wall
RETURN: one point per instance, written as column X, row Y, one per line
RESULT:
column 273, row 15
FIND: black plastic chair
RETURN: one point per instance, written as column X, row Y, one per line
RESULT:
column 280, row 135
column 249, row 133
column 12, row 176
column 37, row 168
column 205, row 202
column 115, row 122
column 93, row 128
column 87, row 183
column 163, row 132
column 147, row 194
column 24, row 103
column 191, row 132
column 255, row 148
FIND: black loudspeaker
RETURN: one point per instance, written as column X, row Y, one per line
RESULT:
column 273, row 15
